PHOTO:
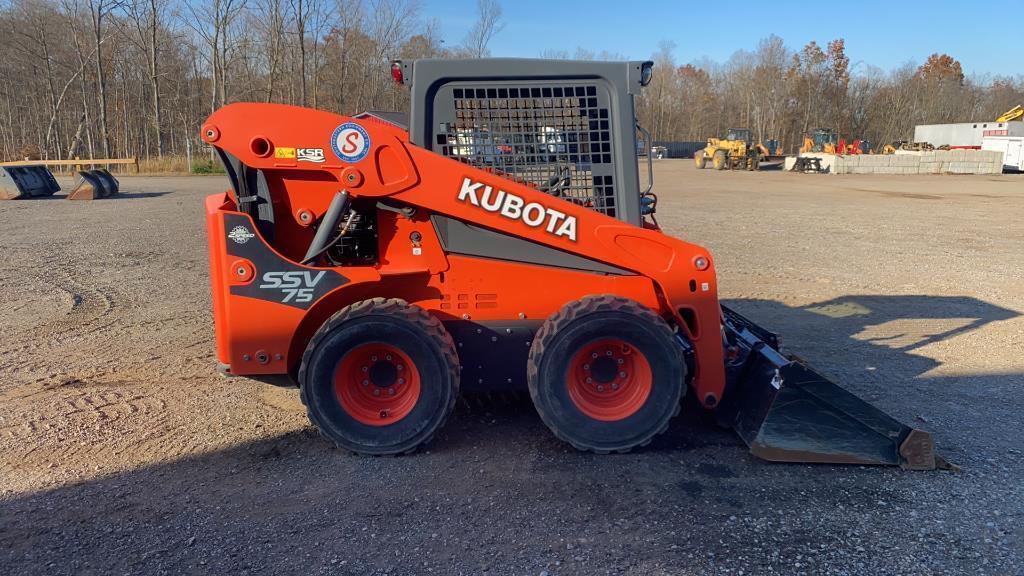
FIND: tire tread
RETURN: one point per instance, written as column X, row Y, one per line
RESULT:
column 566, row 315
column 411, row 313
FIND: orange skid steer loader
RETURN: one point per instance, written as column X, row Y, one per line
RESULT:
column 497, row 238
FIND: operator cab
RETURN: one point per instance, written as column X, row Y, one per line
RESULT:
column 739, row 135
column 562, row 126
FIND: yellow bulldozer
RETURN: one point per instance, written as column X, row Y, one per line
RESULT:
column 737, row 150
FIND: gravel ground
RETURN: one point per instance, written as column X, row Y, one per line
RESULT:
column 124, row 452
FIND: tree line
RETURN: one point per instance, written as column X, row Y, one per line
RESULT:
column 783, row 94
column 121, row 78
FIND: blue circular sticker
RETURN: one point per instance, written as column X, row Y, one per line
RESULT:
column 350, row 142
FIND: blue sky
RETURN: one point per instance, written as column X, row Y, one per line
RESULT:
column 982, row 35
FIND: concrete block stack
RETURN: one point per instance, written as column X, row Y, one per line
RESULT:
column 936, row 162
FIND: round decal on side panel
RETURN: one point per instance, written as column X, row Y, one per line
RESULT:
column 350, row 142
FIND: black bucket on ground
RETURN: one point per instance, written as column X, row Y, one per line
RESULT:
column 93, row 184
column 110, row 184
column 787, row 412
column 26, row 182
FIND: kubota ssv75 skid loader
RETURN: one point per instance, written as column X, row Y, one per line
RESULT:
column 497, row 239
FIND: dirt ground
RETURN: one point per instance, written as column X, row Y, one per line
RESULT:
column 122, row 451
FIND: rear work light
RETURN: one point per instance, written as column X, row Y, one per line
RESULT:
column 396, row 72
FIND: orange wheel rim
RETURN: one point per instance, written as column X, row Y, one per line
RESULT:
column 377, row 384
column 609, row 380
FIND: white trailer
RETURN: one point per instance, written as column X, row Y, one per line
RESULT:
column 1012, row 148
column 965, row 135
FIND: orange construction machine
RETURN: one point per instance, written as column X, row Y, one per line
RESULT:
column 496, row 238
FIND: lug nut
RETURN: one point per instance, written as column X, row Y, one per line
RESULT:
column 586, row 366
column 388, row 357
column 622, row 374
column 593, row 354
column 366, row 382
column 600, row 388
column 615, row 386
column 401, row 380
column 373, row 358
column 391, row 391
column 608, row 353
column 376, row 391
column 366, row 368
column 590, row 380
column 620, row 361
column 399, row 367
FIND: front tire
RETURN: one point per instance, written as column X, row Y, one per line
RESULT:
column 700, row 159
column 605, row 374
column 720, row 160
column 380, row 377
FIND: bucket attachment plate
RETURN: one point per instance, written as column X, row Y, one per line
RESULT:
column 787, row 412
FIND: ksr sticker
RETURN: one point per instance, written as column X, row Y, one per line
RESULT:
column 311, row 155
column 350, row 142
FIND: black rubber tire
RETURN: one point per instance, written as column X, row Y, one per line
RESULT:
column 584, row 321
column 395, row 322
column 720, row 160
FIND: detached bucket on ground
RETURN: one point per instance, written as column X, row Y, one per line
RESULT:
column 26, row 182
column 787, row 412
column 93, row 184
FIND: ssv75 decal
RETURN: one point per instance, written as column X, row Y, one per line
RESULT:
column 296, row 285
column 512, row 206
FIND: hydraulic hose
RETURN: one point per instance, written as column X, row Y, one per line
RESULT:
column 328, row 224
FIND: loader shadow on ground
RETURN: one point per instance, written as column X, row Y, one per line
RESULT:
column 880, row 332
column 497, row 492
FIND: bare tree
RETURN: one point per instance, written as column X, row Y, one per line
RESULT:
column 488, row 24
column 98, row 10
column 146, row 17
column 212, row 21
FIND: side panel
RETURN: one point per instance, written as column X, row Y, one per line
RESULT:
column 460, row 238
column 260, row 298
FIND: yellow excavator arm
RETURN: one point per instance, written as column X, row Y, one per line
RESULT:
column 1012, row 114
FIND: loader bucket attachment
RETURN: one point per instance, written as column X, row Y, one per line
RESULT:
column 110, row 184
column 93, row 184
column 787, row 412
column 26, row 182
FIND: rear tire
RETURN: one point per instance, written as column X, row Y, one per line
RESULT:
column 700, row 159
column 605, row 374
column 380, row 377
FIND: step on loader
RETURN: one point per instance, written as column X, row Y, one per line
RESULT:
column 497, row 238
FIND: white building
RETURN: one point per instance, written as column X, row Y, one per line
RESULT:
column 966, row 135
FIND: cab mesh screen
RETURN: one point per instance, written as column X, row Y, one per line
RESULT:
column 555, row 137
